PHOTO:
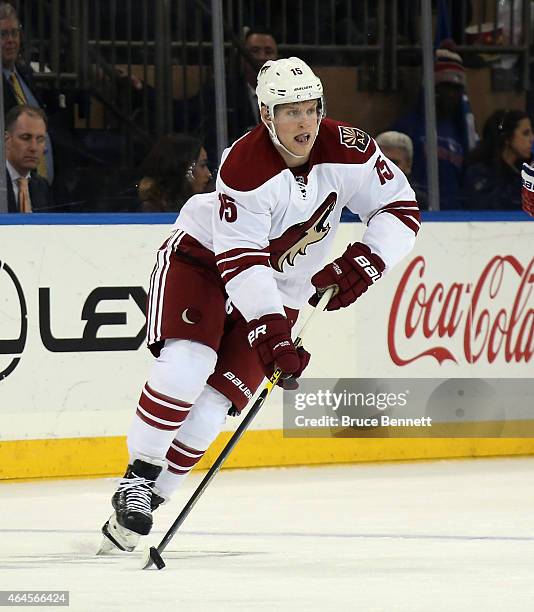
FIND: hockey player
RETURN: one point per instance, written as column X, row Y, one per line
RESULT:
column 240, row 262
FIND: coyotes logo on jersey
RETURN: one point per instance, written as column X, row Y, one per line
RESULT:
column 353, row 138
column 297, row 238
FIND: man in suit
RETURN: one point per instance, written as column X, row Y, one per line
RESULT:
column 25, row 140
column 19, row 85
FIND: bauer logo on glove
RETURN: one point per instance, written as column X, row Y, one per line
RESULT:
column 368, row 268
column 352, row 274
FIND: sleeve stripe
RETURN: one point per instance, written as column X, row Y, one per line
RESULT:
column 233, row 262
column 245, row 254
column 238, row 252
column 413, row 216
column 410, row 222
column 230, row 273
column 400, row 205
column 407, row 212
column 246, row 261
column 227, row 272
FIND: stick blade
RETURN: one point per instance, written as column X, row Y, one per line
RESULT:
column 152, row 557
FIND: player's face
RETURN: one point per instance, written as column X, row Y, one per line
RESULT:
column 296, row 126
column 10, row 39
column 522, row 138
column 201, row 173
column 25, row 143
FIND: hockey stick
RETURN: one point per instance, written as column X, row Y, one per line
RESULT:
column 153, row 555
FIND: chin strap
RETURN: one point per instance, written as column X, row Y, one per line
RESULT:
column 276, row 141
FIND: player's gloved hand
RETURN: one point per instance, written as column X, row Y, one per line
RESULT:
column 527, row 192
column 270, row 335
column 290, row 383
column 352, row 273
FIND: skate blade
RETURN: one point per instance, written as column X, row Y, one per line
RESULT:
column 117, row 537
column 106, row 547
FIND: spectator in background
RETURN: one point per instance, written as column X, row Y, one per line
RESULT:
column 64, row 152
column 492, row 180
column 455, row 128
column 398, row 148
column 25, row 139
column 19, row 85
column 242, row 102
column 175, row 169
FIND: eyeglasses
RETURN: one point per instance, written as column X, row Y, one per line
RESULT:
column 13, row 33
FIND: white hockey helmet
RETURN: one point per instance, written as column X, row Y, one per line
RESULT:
column 286, row 81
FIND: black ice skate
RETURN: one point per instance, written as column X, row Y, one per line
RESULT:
column 134, row 502
column 157, row 500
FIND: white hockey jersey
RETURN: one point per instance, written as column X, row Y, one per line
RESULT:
column 271, row 227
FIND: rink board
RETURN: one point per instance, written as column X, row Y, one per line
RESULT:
column 72, row 359
column 74, row 457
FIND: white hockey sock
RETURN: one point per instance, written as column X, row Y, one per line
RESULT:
column 144, row 439
column 168, row 482
column 176, row 380
column 204, row 422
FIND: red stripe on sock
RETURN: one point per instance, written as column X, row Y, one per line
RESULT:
column 179, row 455
column 154, row 424
column 170, row 410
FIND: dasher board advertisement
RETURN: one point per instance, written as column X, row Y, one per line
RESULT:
column 72, row 305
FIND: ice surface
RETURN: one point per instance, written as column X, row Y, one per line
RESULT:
column 429, row 536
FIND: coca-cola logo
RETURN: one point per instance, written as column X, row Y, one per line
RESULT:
column 489, row 319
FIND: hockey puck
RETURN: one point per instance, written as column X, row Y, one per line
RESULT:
column 156, row 558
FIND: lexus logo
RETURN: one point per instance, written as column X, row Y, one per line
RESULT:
column 13, row 319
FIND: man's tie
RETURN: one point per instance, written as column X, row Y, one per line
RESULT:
column 24, row 195
column 21, row 99
column 19, row 93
